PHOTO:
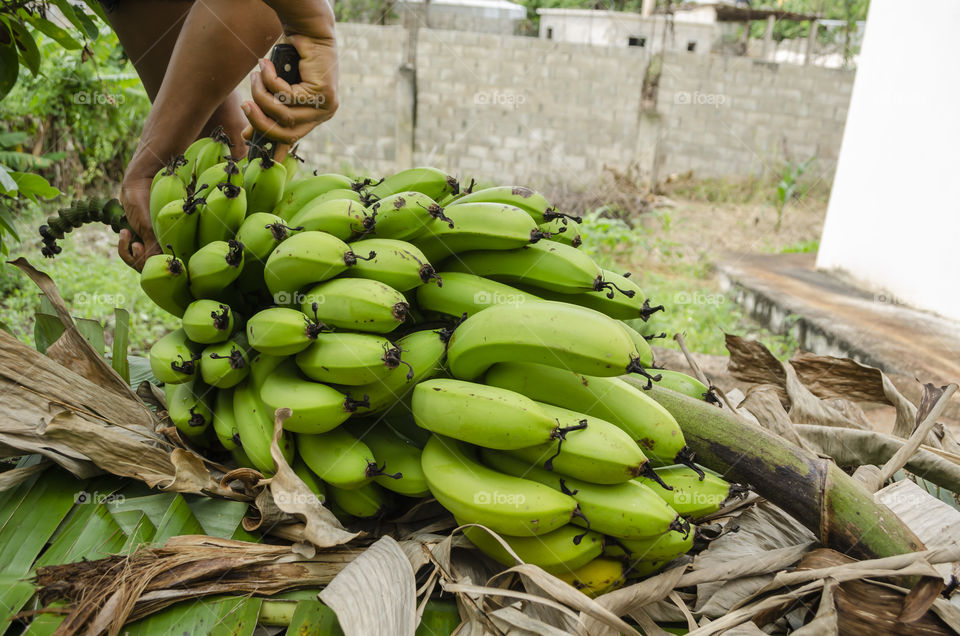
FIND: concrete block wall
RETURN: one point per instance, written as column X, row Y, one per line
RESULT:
column 517, row 109
column 521, row 109
column 362, row 135
column 736, row 116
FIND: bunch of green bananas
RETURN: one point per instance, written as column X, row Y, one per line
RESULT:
column 429, row 342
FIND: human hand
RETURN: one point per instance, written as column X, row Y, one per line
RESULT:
column 285, row 112
column 135, row 198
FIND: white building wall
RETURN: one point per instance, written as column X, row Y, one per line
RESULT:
column 608, row 28
column 894, row 215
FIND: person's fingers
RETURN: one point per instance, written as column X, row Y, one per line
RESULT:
column 277, row 107
column 260, row 121
column 130, row 253
column 135, row 196
column 273, row 82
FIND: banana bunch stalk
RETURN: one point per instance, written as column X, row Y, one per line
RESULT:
column 430, row 340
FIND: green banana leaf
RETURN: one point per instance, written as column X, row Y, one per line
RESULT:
column 121, row 340
column 53, row 518
column 48, row 328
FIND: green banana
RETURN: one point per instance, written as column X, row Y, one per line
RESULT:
column 663, row 547
column 475, row 493
column 173, row 358
column 423, row 353
column 255, row 427
column 165, row 281
column 224, row 423
column 600, row 453
column 176, row 161
column 477, row 226
column 524, row 198
column 317, row 408
column 188, row 405
column 597, row 577
column 264, row 181
column 694, row 493
column 342, row 515
column 214, row 267
column 557, row 552
column 429, row 181
column 349, row 358
column 186, row 170
column 338, row 458
column 450, row 198
column 261, row 366
column 280, row 331
column 214, row 153
column 166, row 187
column 208, row 321
column 551, row 333
column 224, row 173
column 394, row 453
column 622, row 299
column 483, row 415
column 308, row 477
column 644, row 352
column 406, row 428
column 222, row 214
column 683, row 383
column 398, row 264
column 241, row 458
column 338, row 194
column 611, row 399
column 303, row 191
column 405, row 215
column 366, row 502
column 305, row 259
column 260, row 234
column 342, row 218
column 291, row 162
column 628, row 509
column 176, row 227
column 360, row 304
column 224, row 364
column 467, row 294
column 543, row 265
column 562, row 231
column 203, row 154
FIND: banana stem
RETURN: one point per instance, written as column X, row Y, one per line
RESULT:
column 78, row 213
column 815, row 491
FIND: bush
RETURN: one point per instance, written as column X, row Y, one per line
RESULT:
column 87, row 106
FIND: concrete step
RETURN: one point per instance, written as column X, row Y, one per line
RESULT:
column 830, row 316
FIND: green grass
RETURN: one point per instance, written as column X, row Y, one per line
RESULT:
column 92, row 280
column 802, row 247
column 694, row 304
column 743, row 191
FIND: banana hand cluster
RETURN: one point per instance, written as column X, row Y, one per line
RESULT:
column 430, row 341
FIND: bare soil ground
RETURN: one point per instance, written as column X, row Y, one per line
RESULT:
column 705, row 229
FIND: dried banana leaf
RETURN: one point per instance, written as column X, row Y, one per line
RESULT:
column 850, row 447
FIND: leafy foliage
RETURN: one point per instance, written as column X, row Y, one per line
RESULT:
column 17, row 186
column 92, row 283
column 70, row 104
column 787, row 187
